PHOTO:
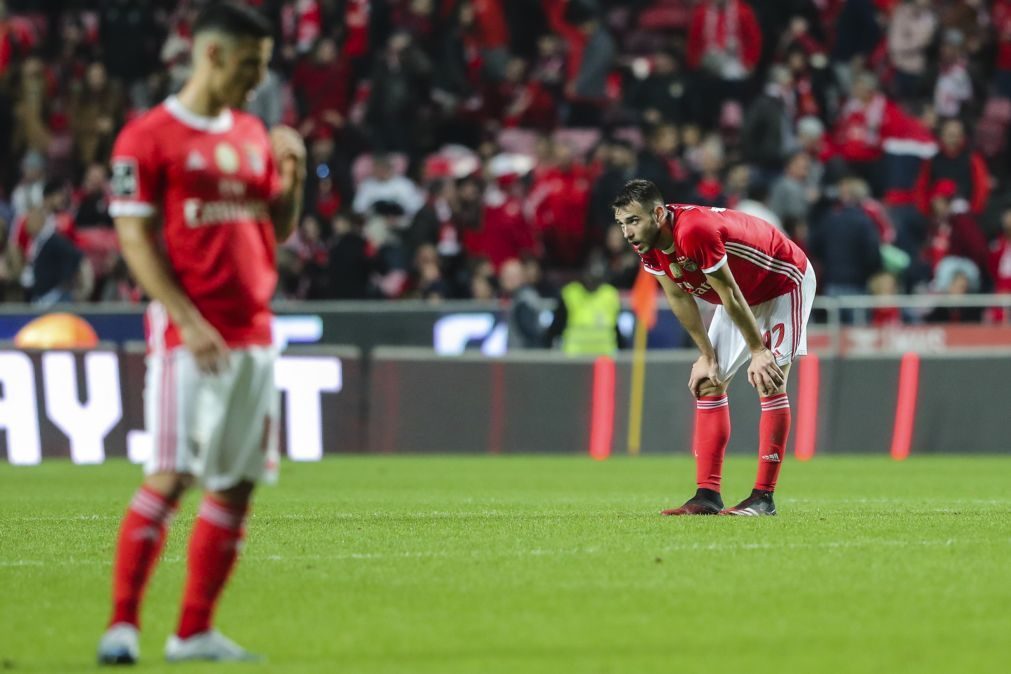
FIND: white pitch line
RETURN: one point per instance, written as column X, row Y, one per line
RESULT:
column 542, row 552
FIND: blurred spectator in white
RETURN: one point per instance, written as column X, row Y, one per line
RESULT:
column 756, row 204
column 386, row 185
column 911, row 31
column 958, row 163
column 954, row 86
column 767, row 135
column 792, row 195
column 28, row 192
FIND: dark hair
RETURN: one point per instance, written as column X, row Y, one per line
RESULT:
column 234, row 19
column 641, row 192
column 53, row 186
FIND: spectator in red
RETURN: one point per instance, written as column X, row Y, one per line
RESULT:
column 954, row 234
column 320, row 88
column 492, row 36
column 958, row 164
column 1001, row 17
column 1000, row 264
column 16, row 36
column 557, row 206
column 504, row 232
column 724, row 46
column 864, row 121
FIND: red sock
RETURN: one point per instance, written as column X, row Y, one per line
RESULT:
column 141, row 537
column 712, row 432
column 773, row 430
column 214, row 547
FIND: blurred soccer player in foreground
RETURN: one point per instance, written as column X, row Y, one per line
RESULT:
column 202, row 194
column 763, row 285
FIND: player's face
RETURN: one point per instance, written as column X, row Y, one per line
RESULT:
column 640, row 226
column 241, row 67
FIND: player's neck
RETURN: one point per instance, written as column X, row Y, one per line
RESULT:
column 665, row 239
column 198, row 99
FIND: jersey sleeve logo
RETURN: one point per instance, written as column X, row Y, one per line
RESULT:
column 124, row 178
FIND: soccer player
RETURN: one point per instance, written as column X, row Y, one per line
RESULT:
column 764, row 286
column 201, row 194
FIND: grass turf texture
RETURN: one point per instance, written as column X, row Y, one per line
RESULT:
column 543, row 565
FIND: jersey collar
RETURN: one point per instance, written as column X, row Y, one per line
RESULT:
column 220, row 124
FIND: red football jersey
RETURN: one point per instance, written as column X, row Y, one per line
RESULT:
column 764, row 262
column 212, row 180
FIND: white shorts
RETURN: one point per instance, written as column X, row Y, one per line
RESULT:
column 781, row 320
column 223, row 428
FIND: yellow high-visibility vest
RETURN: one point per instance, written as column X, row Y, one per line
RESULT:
column 592, row 319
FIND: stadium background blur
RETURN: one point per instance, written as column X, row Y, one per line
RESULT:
column 448, row 138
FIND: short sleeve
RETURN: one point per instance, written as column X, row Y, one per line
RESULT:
column 137, row 175
column 701, row 241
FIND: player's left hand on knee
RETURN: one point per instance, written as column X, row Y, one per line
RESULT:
column 763, row 373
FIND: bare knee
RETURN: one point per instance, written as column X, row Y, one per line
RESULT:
column 239, row 495
column 710, row 389
column 168, row 484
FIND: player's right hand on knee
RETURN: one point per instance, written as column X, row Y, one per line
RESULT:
column 206, row 345
column 705, row 374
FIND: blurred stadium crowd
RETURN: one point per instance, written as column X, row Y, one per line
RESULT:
column 470, row 148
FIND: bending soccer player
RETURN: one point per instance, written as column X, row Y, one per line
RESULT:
column 201, row 194
column 764, row 286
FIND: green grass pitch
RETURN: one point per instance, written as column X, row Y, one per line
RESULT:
column 523, row 564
